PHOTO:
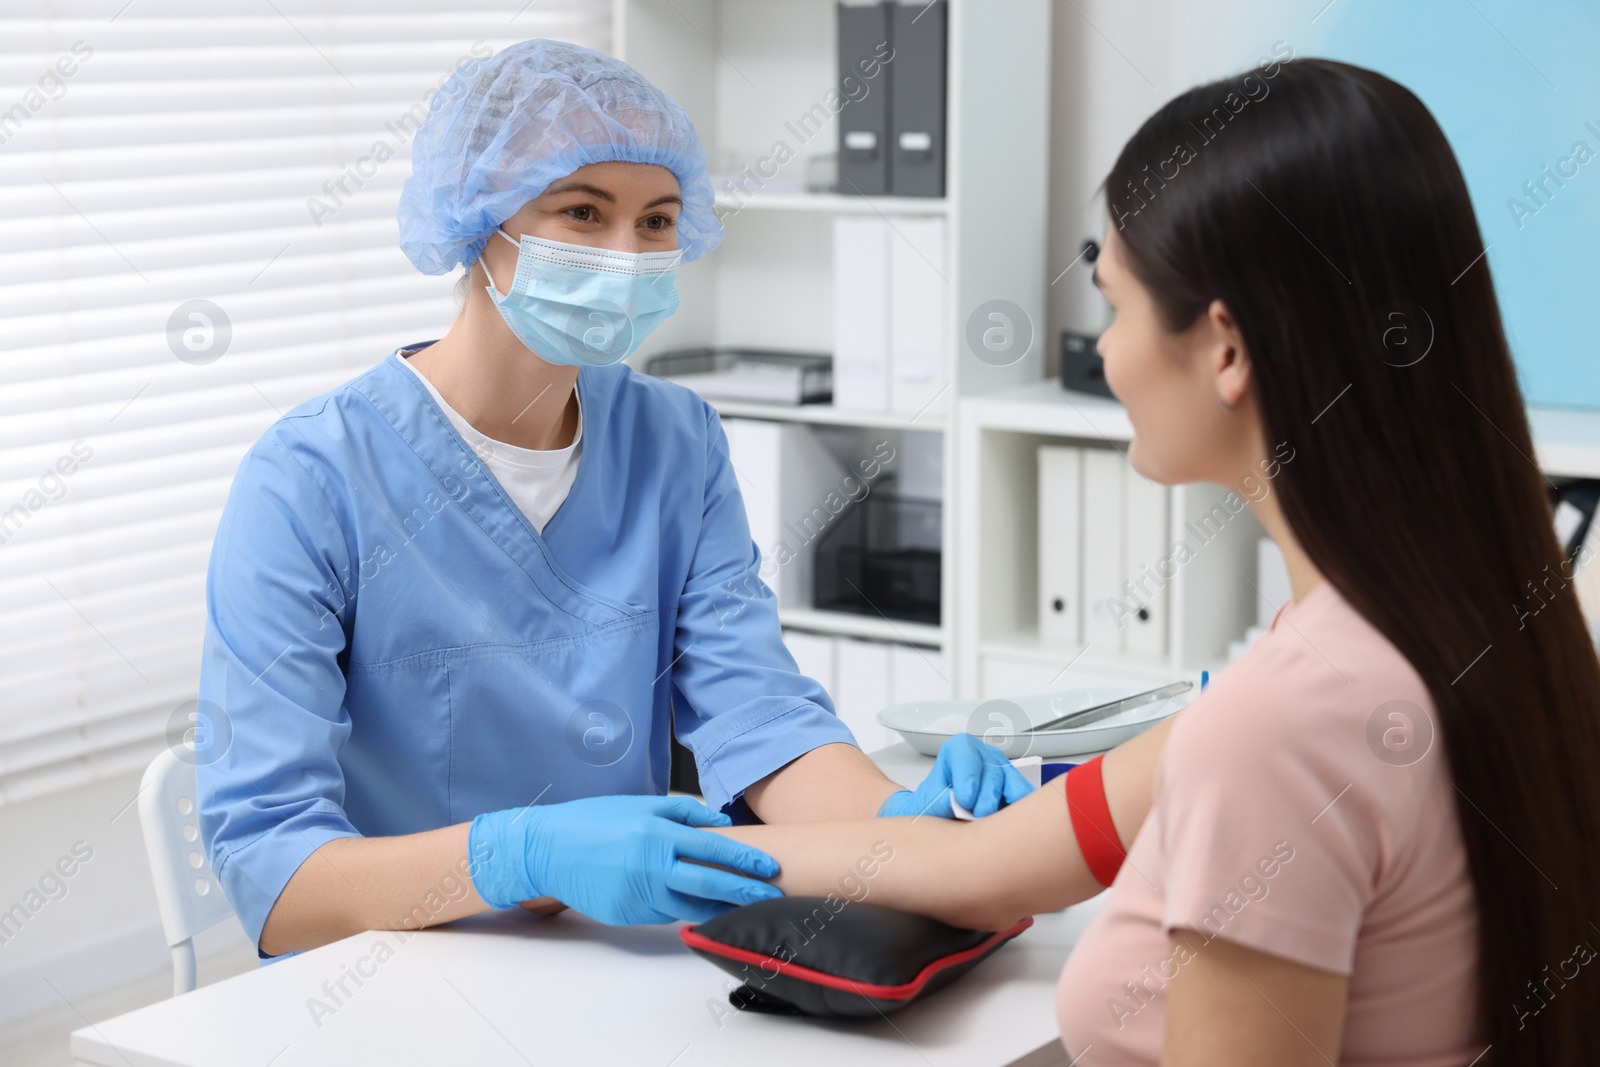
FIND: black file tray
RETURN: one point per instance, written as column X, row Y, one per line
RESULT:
column 881, row 558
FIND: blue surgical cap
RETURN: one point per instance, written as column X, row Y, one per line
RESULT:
column 502, row 129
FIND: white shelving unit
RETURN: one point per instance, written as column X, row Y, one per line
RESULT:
column 999, row 647
column 828, row 415
column 877, row 629
column 743, row 69
column 1567, row 441
column 833, row 203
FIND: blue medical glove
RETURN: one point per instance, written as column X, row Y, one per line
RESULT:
column 618, row 859
column 977, row 775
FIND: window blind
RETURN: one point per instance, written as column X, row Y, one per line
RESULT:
column 197, row 232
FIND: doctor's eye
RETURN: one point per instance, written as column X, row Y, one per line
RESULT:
column 582, row 213
column 660, row 222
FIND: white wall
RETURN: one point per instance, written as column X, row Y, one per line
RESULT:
column 104, row 928
column 1110, row 73
column 1116, row 62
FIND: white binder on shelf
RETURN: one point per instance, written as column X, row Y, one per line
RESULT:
column 1060, row 544
column 813, row 654
column 861, row 372
column 917, row 674
column 1144, row 588
column 1102, row 547
column 918, row 300
column 863, row 690
column 785, row 475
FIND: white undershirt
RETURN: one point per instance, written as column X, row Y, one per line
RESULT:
column 537, row 480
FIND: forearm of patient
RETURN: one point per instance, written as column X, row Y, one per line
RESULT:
column 982, row 875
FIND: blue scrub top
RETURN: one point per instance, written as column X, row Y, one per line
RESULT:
column 393, row 648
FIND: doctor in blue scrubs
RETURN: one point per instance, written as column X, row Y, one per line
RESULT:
column 457, row 605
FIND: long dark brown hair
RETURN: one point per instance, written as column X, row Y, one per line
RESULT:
column 1321, row 203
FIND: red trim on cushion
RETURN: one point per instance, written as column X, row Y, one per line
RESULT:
column 1091, row 821
column 691, row 937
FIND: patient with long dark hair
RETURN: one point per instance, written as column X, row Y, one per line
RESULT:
column 1375, row 838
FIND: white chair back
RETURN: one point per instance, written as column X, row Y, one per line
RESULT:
column 187, row 893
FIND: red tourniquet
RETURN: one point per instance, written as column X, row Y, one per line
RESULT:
column 1091, row 821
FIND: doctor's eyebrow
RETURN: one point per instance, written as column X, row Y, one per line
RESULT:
column 583, row 187
column 603, row 194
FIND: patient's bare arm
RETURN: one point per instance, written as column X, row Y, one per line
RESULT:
column 981, row 875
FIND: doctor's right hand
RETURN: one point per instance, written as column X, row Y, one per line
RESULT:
column 967, row 771
column 618, row 859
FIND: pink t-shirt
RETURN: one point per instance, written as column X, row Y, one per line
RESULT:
column 1302, row 807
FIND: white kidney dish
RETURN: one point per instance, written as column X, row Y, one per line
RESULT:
column 1004, row 721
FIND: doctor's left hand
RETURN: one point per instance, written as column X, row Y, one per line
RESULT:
column 618, row 859
column 975, row 774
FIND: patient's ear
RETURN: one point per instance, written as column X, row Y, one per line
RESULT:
column 1228, row 357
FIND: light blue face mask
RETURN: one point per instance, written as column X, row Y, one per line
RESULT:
column 583, row 306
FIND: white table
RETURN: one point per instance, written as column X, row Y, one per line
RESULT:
column 507, row 988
